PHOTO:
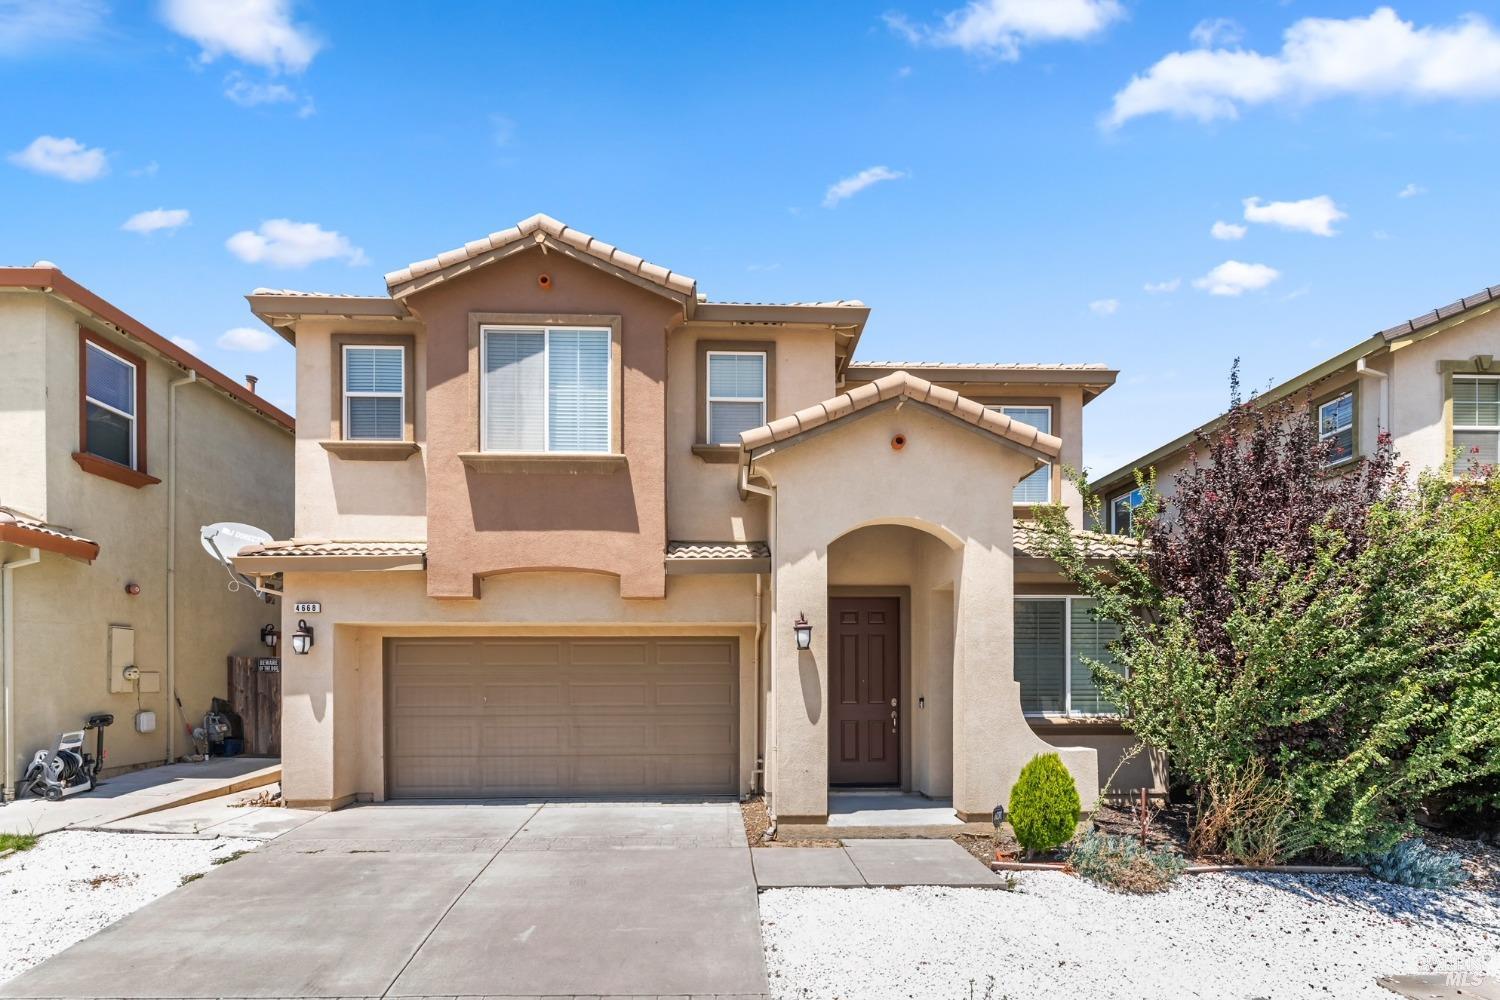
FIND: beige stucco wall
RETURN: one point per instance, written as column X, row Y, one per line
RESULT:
column 1421, row 436
column 848, row 477
column 343, row 498
column 233, row 465
column 24, row 319
column 333, row 698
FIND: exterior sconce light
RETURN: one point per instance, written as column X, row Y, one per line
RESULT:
column 269, row 636
column 302, row 639
column 803, row 631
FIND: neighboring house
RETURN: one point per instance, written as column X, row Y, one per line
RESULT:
column 1431, row 382
column 570, row 527
column 116, row 445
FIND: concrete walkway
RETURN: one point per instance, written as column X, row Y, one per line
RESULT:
column 887, row 864
column 422, row 900
column 139, row 792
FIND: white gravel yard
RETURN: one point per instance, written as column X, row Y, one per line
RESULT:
column 75, row 883
column 1219, row 936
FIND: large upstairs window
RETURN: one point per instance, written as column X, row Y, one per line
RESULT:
column 736, row 394
column 374, row 393
column 1037, row 487
column 110, row 428
column 546, row 390
column 1476, row 421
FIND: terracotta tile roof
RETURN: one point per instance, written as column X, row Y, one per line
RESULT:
column 1479, row 298
column 542, row 229
column 1029, row 540
column 302, row 547
column 891, row 386
column 20, row 528
column 828, row 304
column 687, row 551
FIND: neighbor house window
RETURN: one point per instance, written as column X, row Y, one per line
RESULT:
column 1055, row 639
column 374, row 393
column 736, row 394
column 1336, row 426
column 546, row 390
column 1476, row 420
column 110, row 406
column 1122, row 512
column 1037, row 487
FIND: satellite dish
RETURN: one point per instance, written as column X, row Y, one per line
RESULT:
column 227, row 539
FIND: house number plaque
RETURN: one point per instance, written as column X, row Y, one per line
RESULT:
column 307, row 608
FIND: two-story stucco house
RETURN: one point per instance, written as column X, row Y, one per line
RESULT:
column 572, row 528
column 1431, row 382
column 116, row 446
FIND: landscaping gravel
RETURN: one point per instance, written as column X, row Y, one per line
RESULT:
column 1221, row 936
column 73, row 884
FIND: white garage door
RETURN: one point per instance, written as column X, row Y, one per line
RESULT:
column 490, row 717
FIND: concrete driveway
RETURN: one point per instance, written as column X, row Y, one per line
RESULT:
column 496, row 900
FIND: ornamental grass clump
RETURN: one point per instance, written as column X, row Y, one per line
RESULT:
column 1123, row 865
column 1413, row 863
column 1044, row 804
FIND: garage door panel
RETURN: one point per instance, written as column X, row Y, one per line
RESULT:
column 492, row 717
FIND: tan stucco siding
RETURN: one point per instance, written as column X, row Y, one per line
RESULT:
column 232, row 466
column 341, row 498
column 1417, row 414
column 24, row 318
column 702, row 497
column 333, row 713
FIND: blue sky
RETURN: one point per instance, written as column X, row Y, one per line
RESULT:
column 1010, row 192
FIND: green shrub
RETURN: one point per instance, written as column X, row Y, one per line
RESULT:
column 1044, row 804
column 1122, row 864
column 1413, row 863
column 17, row 841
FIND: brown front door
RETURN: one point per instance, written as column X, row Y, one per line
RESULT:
column 864, row 691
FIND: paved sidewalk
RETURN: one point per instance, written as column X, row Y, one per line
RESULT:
column 887, row 864
column 138, row 792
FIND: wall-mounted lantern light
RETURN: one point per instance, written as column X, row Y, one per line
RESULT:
column 803, row 631
column 302, row 639
column 269, row 636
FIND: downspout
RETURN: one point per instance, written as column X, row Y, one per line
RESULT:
column 8, row 669
column 171, row 728
column 757, row 780
column 1365, row 371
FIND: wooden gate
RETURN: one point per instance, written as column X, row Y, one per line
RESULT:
column 255, row 693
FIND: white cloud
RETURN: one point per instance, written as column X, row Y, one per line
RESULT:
column 851, row 186
column 284, row 243
column 68, row 159
column 1105, row 307
column 246, row 338
column 187, row 344
column 259, row 32
column 149, row 170
column 1235, row 278
column 249, row 93
column 1163, row 287
column 1217, row 31
column 1000, row 28
column 1227, row 231
column 26, row 25
column 1310, row 215
column 156, row 219
column 1322, row 58
column 1411, row 191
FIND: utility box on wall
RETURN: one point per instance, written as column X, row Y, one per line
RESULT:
column 121, row 655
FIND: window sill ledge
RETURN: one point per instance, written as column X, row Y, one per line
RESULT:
column 1094, row 725
column 488, row 462
column 371, row 451
column 114, row 471
column 717, row 454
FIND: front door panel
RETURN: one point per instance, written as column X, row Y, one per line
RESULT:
column 864, row 691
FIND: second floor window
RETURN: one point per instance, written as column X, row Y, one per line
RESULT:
column 1336, row 425
column 1037, row 487
column 109, row 406
column 736, row 394
column 374, row 393
column 1122, row 512
column 546, row 390
column 1476, row 420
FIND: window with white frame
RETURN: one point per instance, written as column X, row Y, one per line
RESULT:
column 1056, row 638
column 1336, row 427
column 1037, row 487
column 546, row 389
column 1122, row 512
column 1476, row 421
column 109, row 406
column 736, row 394
column 374, row 393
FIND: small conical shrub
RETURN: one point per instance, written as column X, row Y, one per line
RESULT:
column 1044, row 804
